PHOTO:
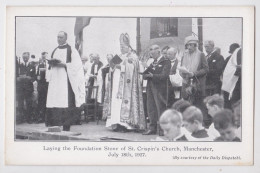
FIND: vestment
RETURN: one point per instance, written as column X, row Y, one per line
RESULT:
column 66, row 90
column 95, row 70
column 212, row 132
column 123, row 102
column 174, row 83
column 232, row 77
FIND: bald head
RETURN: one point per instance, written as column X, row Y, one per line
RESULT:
column 209, row 46
column 171, row 53
column 84, row 58
column 155, row 51
column 62, row 37
column 95, row 57
column 155, row 47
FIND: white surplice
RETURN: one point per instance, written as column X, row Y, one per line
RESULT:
column 229, row 78
column 57, row 77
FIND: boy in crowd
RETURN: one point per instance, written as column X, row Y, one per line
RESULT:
column 192, row 121
column 171, row 123
column 214, row 104
column 224, row 123
column 237, row 118
column 181, row 105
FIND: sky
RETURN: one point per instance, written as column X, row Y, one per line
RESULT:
column 38, row 34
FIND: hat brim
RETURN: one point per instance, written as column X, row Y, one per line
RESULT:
column 192, row 42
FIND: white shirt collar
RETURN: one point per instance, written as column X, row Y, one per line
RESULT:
column 160, row 57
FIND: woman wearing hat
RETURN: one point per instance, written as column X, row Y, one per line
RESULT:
column 194, row 68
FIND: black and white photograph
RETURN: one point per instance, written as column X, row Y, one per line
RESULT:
column 129, row 86
column 128, row 79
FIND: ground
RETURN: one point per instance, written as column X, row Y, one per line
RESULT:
column 89, row 131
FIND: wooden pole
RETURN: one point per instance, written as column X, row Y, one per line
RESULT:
column 138, row 36
column 200, row 34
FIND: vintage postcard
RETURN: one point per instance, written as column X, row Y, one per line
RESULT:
column 129, row 85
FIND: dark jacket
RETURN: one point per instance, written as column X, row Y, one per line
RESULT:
column 100, row 64
column 42, row 83
column 216, row 64
column 160, row 71
column 26, row 85
column 91, row 80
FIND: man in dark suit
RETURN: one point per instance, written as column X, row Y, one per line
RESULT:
column 93, row 73
column 174, row 86
column 42, row 87
column 216, row 65
column 157, row 75
column 25, row 87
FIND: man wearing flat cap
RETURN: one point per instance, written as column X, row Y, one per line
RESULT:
column 123, row 103
column 194, row 68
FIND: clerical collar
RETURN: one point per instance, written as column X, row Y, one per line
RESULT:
column 64, row 46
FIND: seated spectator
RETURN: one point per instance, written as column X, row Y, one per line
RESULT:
column 171, row 123
column 192, row 121
column 214, row 104
column 224, row 123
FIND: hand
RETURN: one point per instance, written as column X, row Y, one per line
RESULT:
column 149, row 75
column 38, row 77
column 60, row 64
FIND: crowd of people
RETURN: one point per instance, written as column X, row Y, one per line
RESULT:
column 180, row 97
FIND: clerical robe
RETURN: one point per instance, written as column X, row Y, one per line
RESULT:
column 123, row 103
column 66, row 84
